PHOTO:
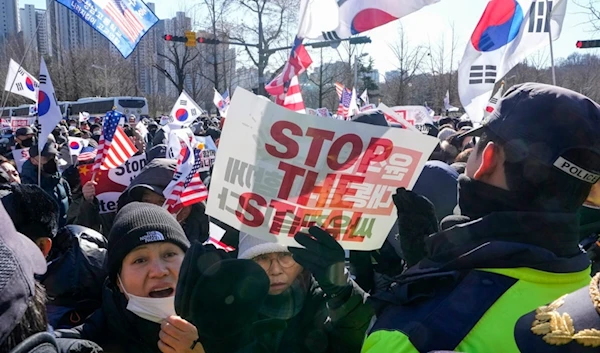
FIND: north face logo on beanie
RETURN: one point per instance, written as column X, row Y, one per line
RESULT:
column 152, row 236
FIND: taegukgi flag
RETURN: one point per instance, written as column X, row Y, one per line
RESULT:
column 508, row 31
column 49, row 114
column 331, row 20
column 21, row 82
column 185, row 110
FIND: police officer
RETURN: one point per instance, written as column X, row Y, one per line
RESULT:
column 514, row 246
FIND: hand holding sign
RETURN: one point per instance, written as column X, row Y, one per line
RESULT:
column 324, row 257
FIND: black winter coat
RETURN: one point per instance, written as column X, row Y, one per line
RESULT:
column 75, row 275
column 116, row 329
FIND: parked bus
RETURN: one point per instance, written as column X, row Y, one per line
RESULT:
column 99, row 106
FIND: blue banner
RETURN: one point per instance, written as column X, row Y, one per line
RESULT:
column 122, row 22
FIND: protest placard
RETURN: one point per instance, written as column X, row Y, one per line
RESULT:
column 20, row 156
column 324, row 112
column 279, row 172
column 112, row 182
column 209, row 152
column 367, row 107
column 17, row 122
column 417, row 115
column 311, row 111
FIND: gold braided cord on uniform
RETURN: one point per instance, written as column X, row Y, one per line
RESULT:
column 558, row 329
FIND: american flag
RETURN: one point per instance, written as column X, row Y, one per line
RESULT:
column 87, row 154
column 292, row 98
column 124, row 18
column 339, row 88
column 186, row 188
column 344, row 103
column 298, row 62
column 114, row 147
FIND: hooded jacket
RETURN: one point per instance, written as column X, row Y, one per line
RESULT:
column 484, row 270
column 53, row 184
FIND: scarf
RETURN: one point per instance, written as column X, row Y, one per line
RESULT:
column 287, row 304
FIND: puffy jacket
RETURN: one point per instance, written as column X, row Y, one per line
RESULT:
column 53, row 184
column 479, row 279
column 116, row 329
column 75, row 275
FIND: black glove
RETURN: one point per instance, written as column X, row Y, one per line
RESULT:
column 416, row 220
column 324, row 257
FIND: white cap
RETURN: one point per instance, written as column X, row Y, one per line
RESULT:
column 251, row 247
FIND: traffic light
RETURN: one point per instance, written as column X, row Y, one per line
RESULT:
column 583, row 44
column 190, row 39
column 172, row 38
column 203, row 40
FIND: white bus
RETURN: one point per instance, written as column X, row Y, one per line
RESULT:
column 99, row 106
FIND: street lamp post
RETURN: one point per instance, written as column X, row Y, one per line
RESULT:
column 105, row 69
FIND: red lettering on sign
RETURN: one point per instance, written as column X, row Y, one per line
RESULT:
column 281, row 210
column 291, row 146
column 336, row 147
column 289, row 176
column 319, row 136
column 385, row 148
column 257, row 216
column 342, row 190
column 310, row 188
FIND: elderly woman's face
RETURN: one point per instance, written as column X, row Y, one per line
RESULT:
column 151, row 270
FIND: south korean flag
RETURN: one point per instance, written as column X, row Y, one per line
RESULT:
column 21, row 82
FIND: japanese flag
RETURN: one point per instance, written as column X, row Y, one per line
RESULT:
column 21, row 82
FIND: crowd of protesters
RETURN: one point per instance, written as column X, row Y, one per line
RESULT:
column 494, row 249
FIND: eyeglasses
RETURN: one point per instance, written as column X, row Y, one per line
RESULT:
column 284, row 259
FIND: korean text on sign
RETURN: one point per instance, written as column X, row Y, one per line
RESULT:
column 296, row 171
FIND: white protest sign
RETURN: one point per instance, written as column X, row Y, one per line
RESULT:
column 395, row 119
column 324, row 112
column 311, row 111
column 215, row 231
column 17, row 122
column 367, row 107
column 112, row 182
column 296, row 170
column 414, row 114
column 20, row 156
column 209, row 152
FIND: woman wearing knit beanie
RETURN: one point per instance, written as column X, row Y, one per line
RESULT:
column 146, row 247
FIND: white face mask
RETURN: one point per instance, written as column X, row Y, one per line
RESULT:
column 151, row 309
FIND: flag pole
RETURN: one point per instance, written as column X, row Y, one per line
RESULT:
column 549, row 23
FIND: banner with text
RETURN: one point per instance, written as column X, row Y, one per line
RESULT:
column 295, row 171
column 112, row 182
column 17, row 122
column 123, row 23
